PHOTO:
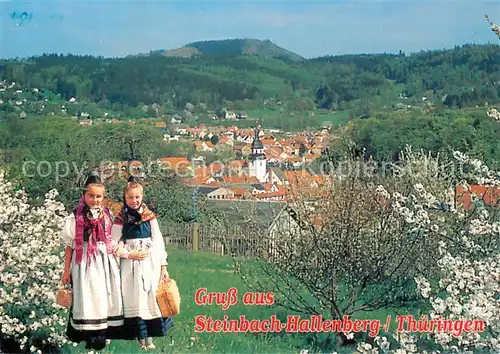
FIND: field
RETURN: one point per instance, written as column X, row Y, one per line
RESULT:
column 335, row 118
column 203, row 270
column 261, row 113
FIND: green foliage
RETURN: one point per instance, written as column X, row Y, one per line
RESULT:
column 242, row 46
column 456, row 76
column 55, row 152
column 464, row 131
column 216, row 273
column 362, row 84
column 170, row 199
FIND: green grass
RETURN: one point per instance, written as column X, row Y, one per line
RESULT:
column 203, row 270
column 263, row 113
column 335, row 118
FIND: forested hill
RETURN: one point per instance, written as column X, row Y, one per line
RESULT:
column 456, row 78
column 238, row 46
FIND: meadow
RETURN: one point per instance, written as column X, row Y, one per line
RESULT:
column 216, row 273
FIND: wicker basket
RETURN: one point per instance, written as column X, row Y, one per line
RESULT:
column 64, row 297
column 168, row 298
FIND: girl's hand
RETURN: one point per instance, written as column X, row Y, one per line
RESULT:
column 66, row 278
column 138, row 255
column 164, row 274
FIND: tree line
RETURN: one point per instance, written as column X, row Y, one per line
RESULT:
column 461, row 77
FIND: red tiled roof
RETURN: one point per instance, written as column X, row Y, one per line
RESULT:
column 489, row 195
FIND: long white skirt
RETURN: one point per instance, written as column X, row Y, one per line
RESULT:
column 97, row 300
column 140, row 281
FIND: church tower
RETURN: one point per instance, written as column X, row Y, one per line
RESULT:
column 258, row 163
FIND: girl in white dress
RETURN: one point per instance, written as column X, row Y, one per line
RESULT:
column 143, row 266
column 92, row 271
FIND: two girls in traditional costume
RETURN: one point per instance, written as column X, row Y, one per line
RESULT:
column 92, row 270
column 137, row 232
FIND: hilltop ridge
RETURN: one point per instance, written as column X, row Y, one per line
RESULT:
column 236, row 46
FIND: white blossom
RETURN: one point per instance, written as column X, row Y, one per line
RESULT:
column 469, row 284
column 31, row 262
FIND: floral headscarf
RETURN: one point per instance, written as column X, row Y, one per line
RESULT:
column 96, row 231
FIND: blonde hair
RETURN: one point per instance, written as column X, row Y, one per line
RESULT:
column 99, row 185
column 132, row 185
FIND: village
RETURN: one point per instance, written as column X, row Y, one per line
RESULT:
column 247, row 164
column 358, row 185
column 262, row 163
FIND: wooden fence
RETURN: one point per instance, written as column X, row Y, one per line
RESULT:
column 221, row 240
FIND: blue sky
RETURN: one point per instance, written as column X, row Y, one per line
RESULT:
column 311, row 29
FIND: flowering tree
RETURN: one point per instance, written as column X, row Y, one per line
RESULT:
column 469, row 287
column 469, row 284
column 493, row 112
column 365, row 234
column 30, row 270
column 469, row 278
column 494, row 27
column 355, row 246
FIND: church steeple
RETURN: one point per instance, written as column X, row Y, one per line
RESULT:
column 257, row 144
column 258, row 163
